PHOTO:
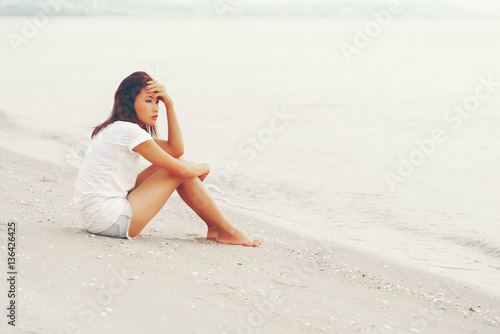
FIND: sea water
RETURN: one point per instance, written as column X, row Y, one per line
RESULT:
column 388, row 142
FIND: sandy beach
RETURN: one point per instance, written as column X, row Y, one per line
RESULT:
column 172, row 280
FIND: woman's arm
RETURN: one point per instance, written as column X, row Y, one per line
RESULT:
column 174, row 130
column 174, row 145
column 180, row 168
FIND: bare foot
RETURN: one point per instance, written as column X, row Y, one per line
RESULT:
column 212, row 233
column 237, row 238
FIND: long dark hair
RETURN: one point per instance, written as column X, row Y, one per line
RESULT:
column 123, row 108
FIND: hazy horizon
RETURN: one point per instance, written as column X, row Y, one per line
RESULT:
column 226, row 8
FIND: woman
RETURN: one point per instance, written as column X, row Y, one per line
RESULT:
column 113, row 199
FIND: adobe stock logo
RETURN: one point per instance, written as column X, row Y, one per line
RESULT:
column 363, row 37
column 454, row 118
column 30, row 27
column 224, row 7
column 250, row 148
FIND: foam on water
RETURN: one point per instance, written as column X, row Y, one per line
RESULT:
column 324, row 167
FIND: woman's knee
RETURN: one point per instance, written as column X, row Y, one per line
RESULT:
column 166, row 175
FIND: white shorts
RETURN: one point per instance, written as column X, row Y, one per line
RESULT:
column 120, row 227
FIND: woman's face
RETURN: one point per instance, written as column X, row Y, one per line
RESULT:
column 146, row 107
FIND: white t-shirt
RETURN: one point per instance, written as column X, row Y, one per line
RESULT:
column 108, row 172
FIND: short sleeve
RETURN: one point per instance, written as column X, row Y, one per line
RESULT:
column 136, row 136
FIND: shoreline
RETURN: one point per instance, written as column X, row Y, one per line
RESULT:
column 172, row 278
column 330, row 241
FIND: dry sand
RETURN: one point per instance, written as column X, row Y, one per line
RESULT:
column 172, row 280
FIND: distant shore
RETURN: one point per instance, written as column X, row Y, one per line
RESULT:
column 171, row 279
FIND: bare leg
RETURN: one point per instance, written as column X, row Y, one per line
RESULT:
column 197, row 198
column 189, row 197
column 151, row 194
column 145, row 174
column 149, row 197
